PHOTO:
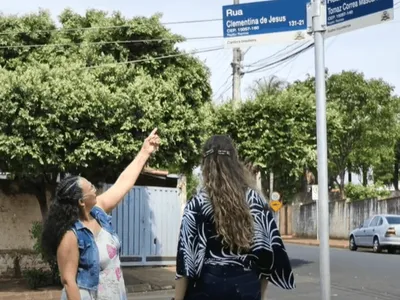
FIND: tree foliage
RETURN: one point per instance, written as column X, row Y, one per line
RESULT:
column 360, row 192
column 275, row 131
column 362, row 123
column 276, row 128
column 268, row 86
column 72, row 103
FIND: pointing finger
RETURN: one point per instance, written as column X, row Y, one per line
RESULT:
column 154, row 131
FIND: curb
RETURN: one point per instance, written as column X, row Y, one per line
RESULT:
column 312, row 243
column 146, row 287
column 162, row 288
column 138, row 288
column 53, row 295
column 48, row 295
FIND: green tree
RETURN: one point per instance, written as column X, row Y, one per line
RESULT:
column 364, row 131
column 79, row 107
column 268, row 86
column 274, row 131
column 362, row 124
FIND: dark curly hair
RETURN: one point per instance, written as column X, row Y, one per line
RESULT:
column 63, row 213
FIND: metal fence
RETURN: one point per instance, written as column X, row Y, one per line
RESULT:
column 147, row 223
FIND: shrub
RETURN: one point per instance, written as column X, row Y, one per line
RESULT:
column 38, row 277
column 355, row 192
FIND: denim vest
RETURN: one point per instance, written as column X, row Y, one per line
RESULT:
column 89, row 261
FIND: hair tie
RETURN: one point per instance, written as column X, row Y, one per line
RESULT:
column 224, row 152
column 219, row 152
column 208, row 153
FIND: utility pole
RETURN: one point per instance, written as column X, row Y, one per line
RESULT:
column 236, row 72
column 236, row 75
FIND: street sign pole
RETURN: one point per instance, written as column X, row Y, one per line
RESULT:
column 317, row 220
column 316, row 16
column 314, row 196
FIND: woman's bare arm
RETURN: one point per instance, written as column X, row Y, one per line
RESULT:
column 114, row 195
column 264, row 285
column 67, row 259
column 180, row 288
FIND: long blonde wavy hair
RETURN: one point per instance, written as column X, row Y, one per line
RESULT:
column 226, row 181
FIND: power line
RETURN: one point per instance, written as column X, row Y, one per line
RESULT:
column 191, row 21
column 221, row 78
column 277, row 62
column 205, row 50
column 223, row 93
column 281, row 64
column 248, row 49
column 309, row 46
column 224, row 84
column 102, row 27
column 281, row 51
column 198, row 51
column 108, row 42
column 221, row 59
column 329, row 44
column 273, row 55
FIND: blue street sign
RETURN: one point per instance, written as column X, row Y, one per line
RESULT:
column 347, row 15
column 265, row 21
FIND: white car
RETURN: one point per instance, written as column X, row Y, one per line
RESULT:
column 378, row 232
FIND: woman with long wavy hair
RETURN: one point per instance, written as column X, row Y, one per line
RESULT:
column 229, row 245
column 79, row 233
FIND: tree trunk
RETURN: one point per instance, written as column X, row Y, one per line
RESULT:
column 341, row 185
column 349, row 173
column 396, row 175
column 365, row 176
column 304, row 182
column 40, row 193
column 39, row 186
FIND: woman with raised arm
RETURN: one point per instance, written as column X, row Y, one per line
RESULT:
column 229, row 246
column 78, row 231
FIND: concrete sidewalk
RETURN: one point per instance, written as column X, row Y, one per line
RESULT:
column 137, row 279
column 143, row 279
column 18, row 290
column 315, row 242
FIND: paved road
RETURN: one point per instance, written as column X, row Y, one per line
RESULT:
column 354, row 276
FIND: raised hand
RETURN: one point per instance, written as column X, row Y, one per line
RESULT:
column 151, row 143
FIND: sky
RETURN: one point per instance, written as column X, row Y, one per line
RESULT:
column 372, row 50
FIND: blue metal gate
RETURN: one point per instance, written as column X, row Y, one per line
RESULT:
column 147, row 222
